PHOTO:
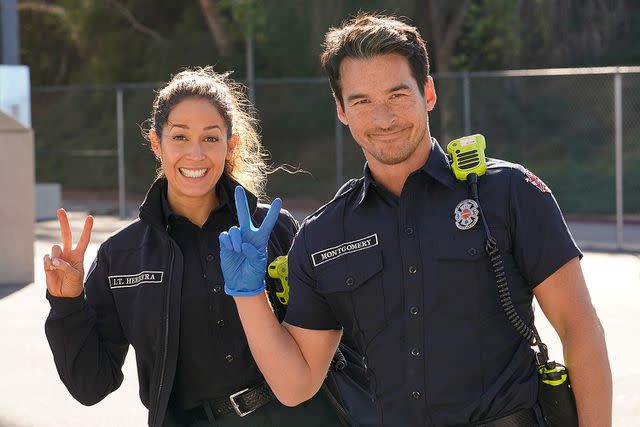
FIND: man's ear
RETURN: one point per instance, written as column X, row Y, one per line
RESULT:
column 340, row 110
column 154, row 141
column 231, row 145
column 430, row 93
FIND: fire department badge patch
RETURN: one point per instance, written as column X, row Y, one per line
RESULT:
column 466, row 214
column 536, row 182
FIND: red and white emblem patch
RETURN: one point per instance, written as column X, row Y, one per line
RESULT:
column 466, row 214
column 536, row 182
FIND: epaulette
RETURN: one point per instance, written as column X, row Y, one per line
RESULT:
column 493, row 163
column 346, row 188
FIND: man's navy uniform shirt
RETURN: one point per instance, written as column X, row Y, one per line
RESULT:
column 416, row 296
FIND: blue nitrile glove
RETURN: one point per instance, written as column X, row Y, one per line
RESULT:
column 243, row 250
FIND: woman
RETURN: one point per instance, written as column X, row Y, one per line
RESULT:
column 157, row 284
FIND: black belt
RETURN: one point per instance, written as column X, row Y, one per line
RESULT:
column 241, row 403
column 521, row 418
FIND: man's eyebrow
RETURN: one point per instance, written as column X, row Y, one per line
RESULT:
column 401, row 86
column 355, row 96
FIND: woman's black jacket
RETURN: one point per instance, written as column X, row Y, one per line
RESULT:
column 132, row 296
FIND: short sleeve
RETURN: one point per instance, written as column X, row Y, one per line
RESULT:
column 307, row 308
column 285, row 230
column 542, row 242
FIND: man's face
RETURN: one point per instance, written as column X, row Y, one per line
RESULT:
column 384, row 108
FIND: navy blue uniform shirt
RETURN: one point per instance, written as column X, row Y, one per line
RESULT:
column 213, row 355
column 416, row 296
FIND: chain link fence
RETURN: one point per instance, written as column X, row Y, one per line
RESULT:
column 578, row 129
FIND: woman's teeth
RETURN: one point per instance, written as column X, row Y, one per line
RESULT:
column 193, row 173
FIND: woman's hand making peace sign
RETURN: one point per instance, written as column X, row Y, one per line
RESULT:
column 64, row 268
column 243, row 250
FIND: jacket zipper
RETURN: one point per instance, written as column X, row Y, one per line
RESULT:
column 166, row 336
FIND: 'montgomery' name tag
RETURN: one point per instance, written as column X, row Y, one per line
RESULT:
column 131, row 280
column 335, row 252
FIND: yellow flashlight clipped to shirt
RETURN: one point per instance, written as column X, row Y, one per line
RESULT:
column 278, row 270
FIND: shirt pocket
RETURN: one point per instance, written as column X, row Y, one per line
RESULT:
column 464, row 283
column 353, row 288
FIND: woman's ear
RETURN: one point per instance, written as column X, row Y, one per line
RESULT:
column 155, row 144
column 231, row 145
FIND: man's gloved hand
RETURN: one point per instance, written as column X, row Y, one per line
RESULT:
column 243, row 250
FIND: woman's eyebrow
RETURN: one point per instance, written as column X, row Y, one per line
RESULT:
column 180, row 125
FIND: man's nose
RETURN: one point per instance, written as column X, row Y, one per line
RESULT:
column 383, row 116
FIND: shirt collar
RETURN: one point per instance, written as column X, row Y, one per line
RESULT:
column 166, row 210
column 221, row 189
column 437, row 166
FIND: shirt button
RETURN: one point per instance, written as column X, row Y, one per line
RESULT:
column 415, row 352
column 409, row 231
column 229, row 358
column 221, row 323
column 217, row 288
column 416, row 395
column 413, row 269
column 472, row 251
column 210, row 257
column 414, row 310
column 349, row 281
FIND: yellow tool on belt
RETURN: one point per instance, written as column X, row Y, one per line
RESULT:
column 278, row 270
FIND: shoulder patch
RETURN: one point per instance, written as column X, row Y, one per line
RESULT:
column 94, row 264
column 532, row 179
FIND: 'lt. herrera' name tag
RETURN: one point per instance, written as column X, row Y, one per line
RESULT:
column 335, row 252
column 131, row 280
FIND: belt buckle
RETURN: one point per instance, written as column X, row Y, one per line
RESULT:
column 236, row 406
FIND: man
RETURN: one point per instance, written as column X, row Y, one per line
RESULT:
column 385, row 265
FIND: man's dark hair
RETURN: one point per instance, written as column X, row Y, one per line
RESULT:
column 368, row 35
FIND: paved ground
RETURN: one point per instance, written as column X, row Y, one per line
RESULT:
column 31, row 393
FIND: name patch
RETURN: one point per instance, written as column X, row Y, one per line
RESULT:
column 336, row 252
column 132, row 280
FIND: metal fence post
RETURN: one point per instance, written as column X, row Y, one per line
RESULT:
column 249, row 57
column 466, row 92
column 617, row 86
column 120, row 136
column 339, row 153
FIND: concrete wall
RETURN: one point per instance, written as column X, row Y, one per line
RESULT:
column 17, row 200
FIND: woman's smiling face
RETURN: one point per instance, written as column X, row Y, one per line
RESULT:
column 193, row 148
